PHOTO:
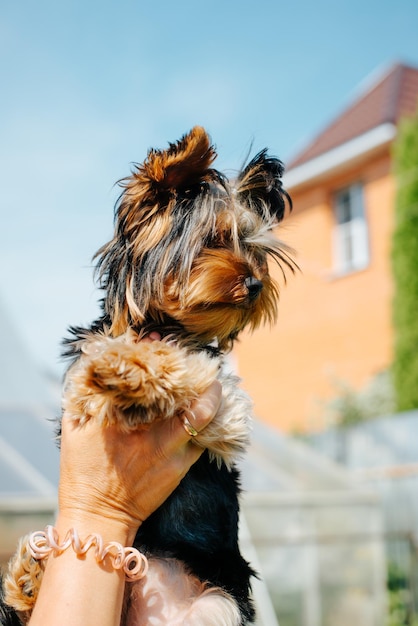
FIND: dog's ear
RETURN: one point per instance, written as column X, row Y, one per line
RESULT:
column 259, row 185
column 184, row 164
column 154, row 212
column 183, row 167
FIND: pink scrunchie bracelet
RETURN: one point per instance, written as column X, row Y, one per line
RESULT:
column 130, row 560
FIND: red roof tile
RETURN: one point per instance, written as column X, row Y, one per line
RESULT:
column 393, row 96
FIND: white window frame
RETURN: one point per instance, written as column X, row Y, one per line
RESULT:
column 351, row 236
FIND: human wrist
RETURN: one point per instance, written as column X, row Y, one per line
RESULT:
column 127, row 559
column 88, row 522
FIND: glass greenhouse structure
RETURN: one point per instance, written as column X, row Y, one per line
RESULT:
column 318, row 535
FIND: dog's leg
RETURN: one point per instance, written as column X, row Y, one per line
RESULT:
column 23, row 580
column 127, row 382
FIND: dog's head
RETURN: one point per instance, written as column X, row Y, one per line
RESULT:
column 192, row 247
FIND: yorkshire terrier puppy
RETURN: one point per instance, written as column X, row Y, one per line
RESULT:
column 188, row 259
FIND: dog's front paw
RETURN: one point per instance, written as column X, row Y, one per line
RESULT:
column 128, row 382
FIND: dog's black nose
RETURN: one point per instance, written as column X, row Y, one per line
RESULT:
column 254, row 287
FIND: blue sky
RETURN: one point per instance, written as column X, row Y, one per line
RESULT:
column 88, row 86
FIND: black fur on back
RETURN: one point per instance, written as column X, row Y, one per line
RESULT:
column 8, row 616
column 198, row 525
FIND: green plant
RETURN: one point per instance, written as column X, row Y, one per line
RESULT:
column 400, row 611
column 350, row 407
column 405, row 266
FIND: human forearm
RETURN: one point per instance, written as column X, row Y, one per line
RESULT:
column 89, row 592
column 110, row 481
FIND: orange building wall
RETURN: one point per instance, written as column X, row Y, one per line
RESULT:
column 329, row 328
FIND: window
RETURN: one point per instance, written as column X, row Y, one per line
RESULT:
column 351, row 246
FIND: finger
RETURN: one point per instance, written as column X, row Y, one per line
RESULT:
column 206, row 406
column 201, row 412
column 193, row 453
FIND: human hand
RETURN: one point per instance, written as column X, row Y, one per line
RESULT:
column 109, row 477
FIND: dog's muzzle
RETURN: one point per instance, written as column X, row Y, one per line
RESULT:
column 254, row 287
